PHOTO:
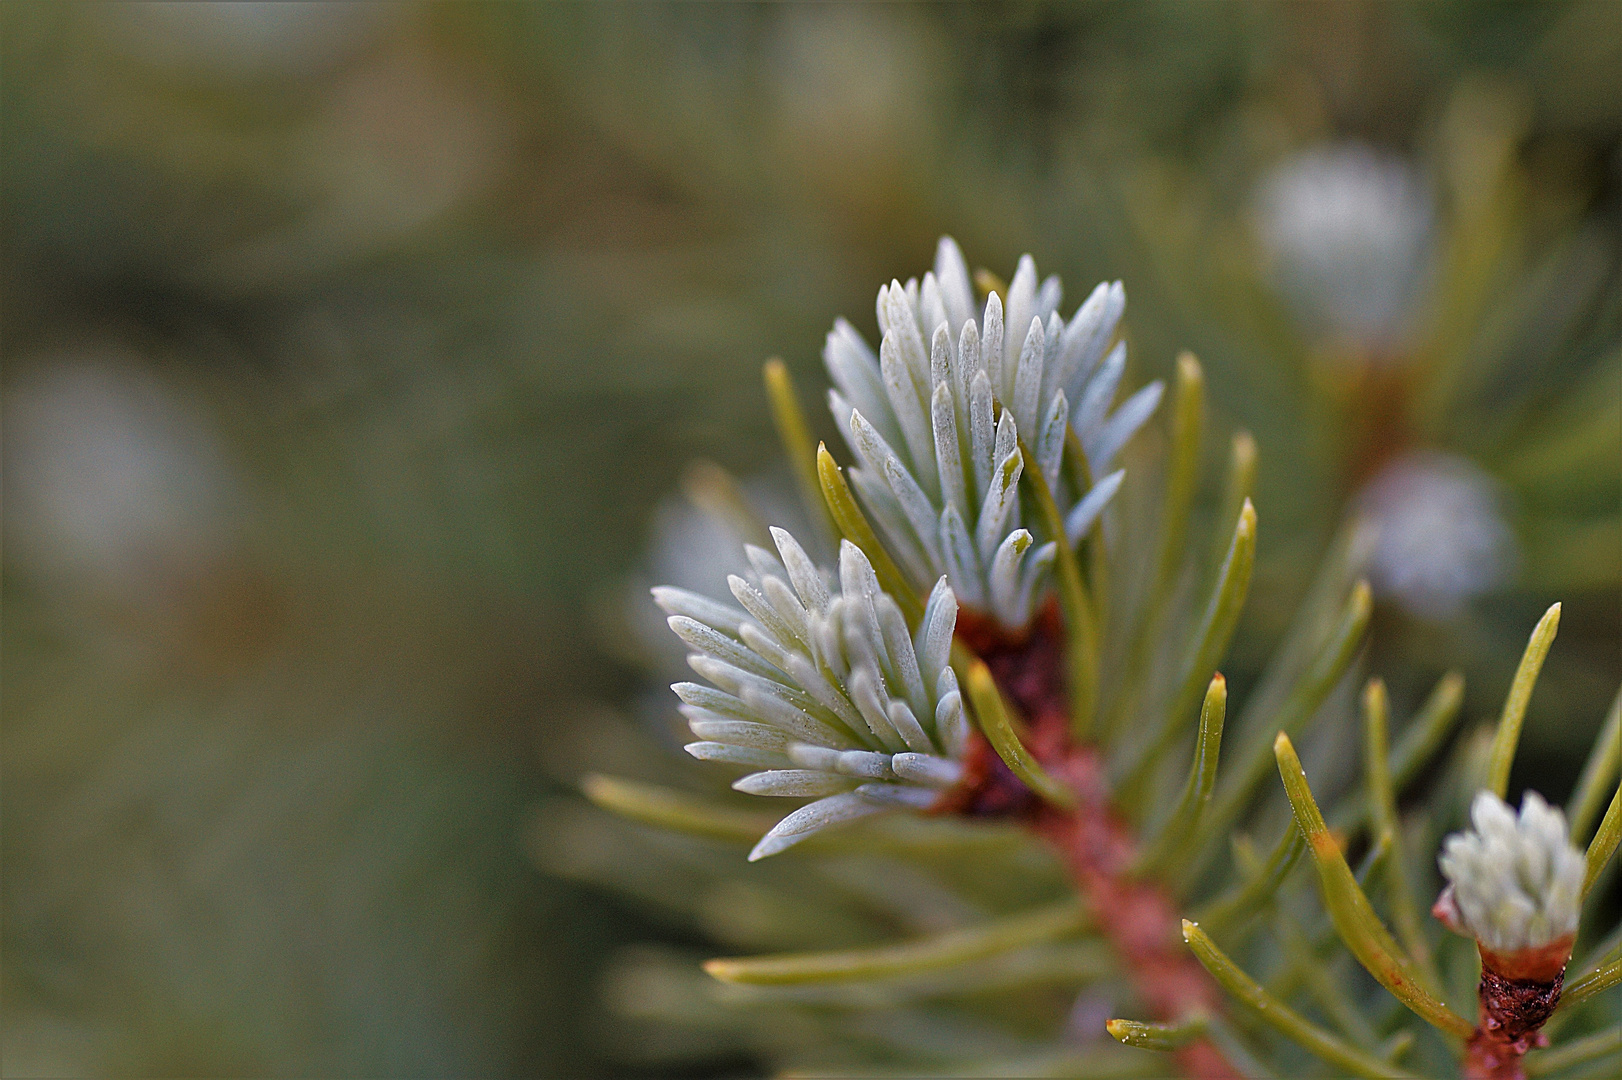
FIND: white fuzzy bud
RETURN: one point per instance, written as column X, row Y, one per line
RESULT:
column 1516, row 883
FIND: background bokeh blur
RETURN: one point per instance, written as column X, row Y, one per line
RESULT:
column 352, row 350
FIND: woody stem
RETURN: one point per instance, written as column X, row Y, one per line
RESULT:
column 1518, row 993
column 1137, row 915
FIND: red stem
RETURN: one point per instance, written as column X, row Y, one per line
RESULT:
column 1138, row 917
column 1518, row 993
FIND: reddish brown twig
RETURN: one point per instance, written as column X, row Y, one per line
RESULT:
column 1518, row 994
column 1137, row 916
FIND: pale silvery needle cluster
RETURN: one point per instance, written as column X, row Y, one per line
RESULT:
column 1515, row 883
column 937, row 416
column 819, row 685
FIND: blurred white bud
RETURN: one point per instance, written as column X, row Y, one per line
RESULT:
column 1350, row 233
column 1440, row 535
column 1514, row 883
column 112, row 483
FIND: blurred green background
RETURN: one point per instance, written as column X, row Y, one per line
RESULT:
column 349, row 350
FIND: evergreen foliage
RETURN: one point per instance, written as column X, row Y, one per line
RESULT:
column 1083, row 674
